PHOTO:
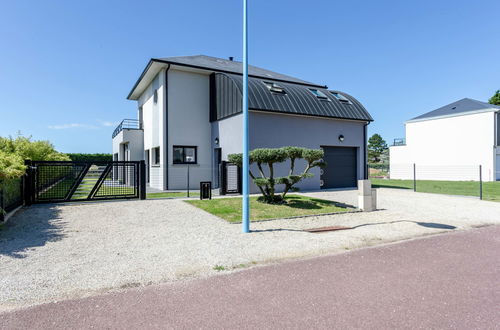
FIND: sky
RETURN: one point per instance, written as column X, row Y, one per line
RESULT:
column 66, row 67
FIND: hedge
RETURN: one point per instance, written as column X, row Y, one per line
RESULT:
column 78, row 157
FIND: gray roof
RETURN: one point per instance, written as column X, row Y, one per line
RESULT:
column 297, row 100
column 227, row 66
column 460, row 107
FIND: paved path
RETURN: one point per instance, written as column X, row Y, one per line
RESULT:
column 446, row 281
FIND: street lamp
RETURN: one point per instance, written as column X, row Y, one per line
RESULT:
column 245, row 214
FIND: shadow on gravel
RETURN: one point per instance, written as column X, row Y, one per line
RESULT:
column 423, row 224
column 29, row 228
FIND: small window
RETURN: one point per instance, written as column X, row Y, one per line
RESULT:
column 155, row 96
column 340, row 97
column 156, row 156
column 274, row 87
column 185, row 155
column 319, row 94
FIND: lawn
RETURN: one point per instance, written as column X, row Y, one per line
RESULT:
column 173, row 194
column 230, row 208
column 491, row 190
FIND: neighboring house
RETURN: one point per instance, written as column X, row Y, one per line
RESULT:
column 450, row 143
column 189, row 114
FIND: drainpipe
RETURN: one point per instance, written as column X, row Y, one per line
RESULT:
column 166, row 149
column 365, row 149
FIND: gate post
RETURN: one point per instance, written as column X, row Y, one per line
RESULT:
column 142, row 180
column 223, row 178
column 28, row 184
column 480, row 182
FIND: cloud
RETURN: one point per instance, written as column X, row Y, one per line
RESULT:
column 106, row 123
column 73, row 125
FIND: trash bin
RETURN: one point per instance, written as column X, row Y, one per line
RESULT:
column 206, row 190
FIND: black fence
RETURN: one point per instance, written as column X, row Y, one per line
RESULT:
column 52, row 181
column 11, row 195
column 184, row 180
column 465, row 180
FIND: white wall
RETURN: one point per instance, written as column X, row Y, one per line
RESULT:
column 153, row 116
column 447, row 149
column 189, row 125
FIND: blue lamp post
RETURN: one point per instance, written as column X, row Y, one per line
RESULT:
column 245, row 214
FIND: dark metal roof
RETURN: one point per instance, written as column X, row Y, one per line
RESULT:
column 457, row 108
column 227, row 66
column 298, row 99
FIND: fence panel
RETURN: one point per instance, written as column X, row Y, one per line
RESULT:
column 466, row 180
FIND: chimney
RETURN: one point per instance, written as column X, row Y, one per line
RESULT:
column 231, row 58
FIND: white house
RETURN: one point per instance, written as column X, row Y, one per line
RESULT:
column 189, row 114
column 450, row 143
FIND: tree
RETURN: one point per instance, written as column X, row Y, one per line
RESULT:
column 269, row 157
column 495, row 99
column 376, row 147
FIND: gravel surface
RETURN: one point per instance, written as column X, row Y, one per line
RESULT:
column 436, row 282
column 55, row 252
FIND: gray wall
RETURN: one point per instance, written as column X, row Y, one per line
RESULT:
column 498, row 128
column 274, row 131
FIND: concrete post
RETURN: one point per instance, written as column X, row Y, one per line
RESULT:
column 367, row 197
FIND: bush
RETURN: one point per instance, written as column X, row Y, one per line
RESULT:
column 268, row 157
column 379, row 166
column 13, row 152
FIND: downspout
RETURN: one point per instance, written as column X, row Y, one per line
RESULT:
column 365, row 128
column 166, row 149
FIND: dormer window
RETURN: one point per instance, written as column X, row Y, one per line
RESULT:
column 340, row 97
column 319, row 94
column 274, row 87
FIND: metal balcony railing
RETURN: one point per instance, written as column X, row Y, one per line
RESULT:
column 399, row 142
column 127, row 124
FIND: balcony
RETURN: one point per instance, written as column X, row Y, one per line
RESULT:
column 399, row 142
column 127, row 124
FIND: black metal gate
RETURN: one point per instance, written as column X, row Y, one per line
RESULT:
column 230, row 177
column 53, row 181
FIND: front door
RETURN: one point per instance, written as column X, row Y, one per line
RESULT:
column 217, row 162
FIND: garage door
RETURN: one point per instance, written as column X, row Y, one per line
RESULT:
column 341, row 169
column 498, row 168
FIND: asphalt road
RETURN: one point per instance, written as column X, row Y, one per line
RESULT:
column 449, row 281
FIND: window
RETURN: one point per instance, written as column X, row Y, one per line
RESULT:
column 155, row 96
column 340, row 97
column 185, row 155
column 156, row 156
column 319, row 94
column 274, row 87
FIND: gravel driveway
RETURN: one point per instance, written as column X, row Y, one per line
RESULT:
column 54, row 252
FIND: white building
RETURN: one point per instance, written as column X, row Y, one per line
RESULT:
column 189, row 114
column 450, row 143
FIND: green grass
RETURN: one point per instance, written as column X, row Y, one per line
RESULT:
column 491, row 190
column 230, row 208
column 172, row 194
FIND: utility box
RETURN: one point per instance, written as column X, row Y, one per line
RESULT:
column 206, row 190
column 367, row 197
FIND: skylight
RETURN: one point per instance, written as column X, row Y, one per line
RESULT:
column 340, row 97
column 319, row 94
column 274, row 87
